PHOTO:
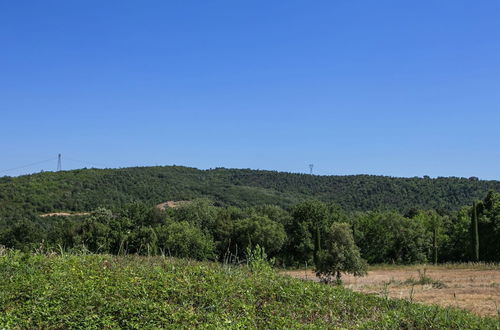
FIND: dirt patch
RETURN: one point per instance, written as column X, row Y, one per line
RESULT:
column 172, row 204
column 475, row 290
column 63, row 214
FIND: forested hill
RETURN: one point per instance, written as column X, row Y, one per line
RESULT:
column 86, row 189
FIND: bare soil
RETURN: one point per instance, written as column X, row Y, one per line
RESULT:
column 475, row 290
column 171, row 204
column 63, row 214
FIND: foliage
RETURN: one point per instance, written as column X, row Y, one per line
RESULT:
column 23, row 235
column 390, row 237
column 309, row 218
column 259, row 230
column 435, row 224
column 257, row 259
column 203, row 229
column 339, row 254
column 88, row 189
column 489, row 227
column 184, row 240
column 131, row 292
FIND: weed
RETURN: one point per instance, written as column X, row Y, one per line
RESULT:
column 257, row 259
column 424, row 279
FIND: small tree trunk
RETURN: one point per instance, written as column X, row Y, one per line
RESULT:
column 434, row 246
column 317, row 245
column 339, row 280
column 475, row 233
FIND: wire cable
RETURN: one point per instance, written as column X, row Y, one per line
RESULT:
column 29, row 165
column 83, row 162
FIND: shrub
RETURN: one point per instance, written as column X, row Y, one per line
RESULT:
column 257, row 259
column 184, row 240
column 259, row 230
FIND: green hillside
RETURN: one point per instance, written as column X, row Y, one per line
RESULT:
column 99, row 291
column 87, row 189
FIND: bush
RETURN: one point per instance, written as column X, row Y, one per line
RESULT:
column 184, row 240
column 257, row 259
column 259, row 230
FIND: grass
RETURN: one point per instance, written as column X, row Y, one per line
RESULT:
column 448, row 265
column 101, row 291
column 475, row 290
column 424, row 279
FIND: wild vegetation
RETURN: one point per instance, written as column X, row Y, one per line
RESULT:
column 49, row 291
column 212, row 230
column 336, row 224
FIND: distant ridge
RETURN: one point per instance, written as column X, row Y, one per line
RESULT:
column 86, row 189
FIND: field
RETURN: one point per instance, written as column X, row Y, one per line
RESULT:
column 102, row 291
column 473, row 287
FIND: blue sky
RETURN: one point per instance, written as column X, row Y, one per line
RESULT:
column 394, row 88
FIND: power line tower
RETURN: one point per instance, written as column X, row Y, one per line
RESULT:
column 311, row 168
column 59, row 166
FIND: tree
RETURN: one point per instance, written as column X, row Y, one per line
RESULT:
column 339, row 254
column 434, row 224
column 475, row 233
column 200, row 212
column 23, row 235
column 389, row 237
column 144, row 240
column 96, row 233
column 489, row 227
column 185, row 240
column 309, row 219
column 259, row 230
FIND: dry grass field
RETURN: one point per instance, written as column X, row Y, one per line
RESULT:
column 473, row 287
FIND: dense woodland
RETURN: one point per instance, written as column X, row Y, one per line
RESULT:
column 393, row 220
column 88, row 189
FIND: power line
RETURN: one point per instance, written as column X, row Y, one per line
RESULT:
column 59, row 163
column 29, row 165
column 83, row 162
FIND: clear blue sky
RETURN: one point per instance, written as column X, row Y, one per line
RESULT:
column 400, row 88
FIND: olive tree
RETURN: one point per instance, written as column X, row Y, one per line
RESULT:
column 339, row 254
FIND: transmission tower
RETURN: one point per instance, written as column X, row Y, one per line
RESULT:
column 311, row 168
column 59, row 166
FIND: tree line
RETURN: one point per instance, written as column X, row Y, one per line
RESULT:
column 294, row 236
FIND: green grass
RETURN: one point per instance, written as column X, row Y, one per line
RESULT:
column 100, row 291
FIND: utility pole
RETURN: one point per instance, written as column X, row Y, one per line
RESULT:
column 59, row 165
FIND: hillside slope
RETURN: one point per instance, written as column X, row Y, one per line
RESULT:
column 97, row 291
column 86, row 189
